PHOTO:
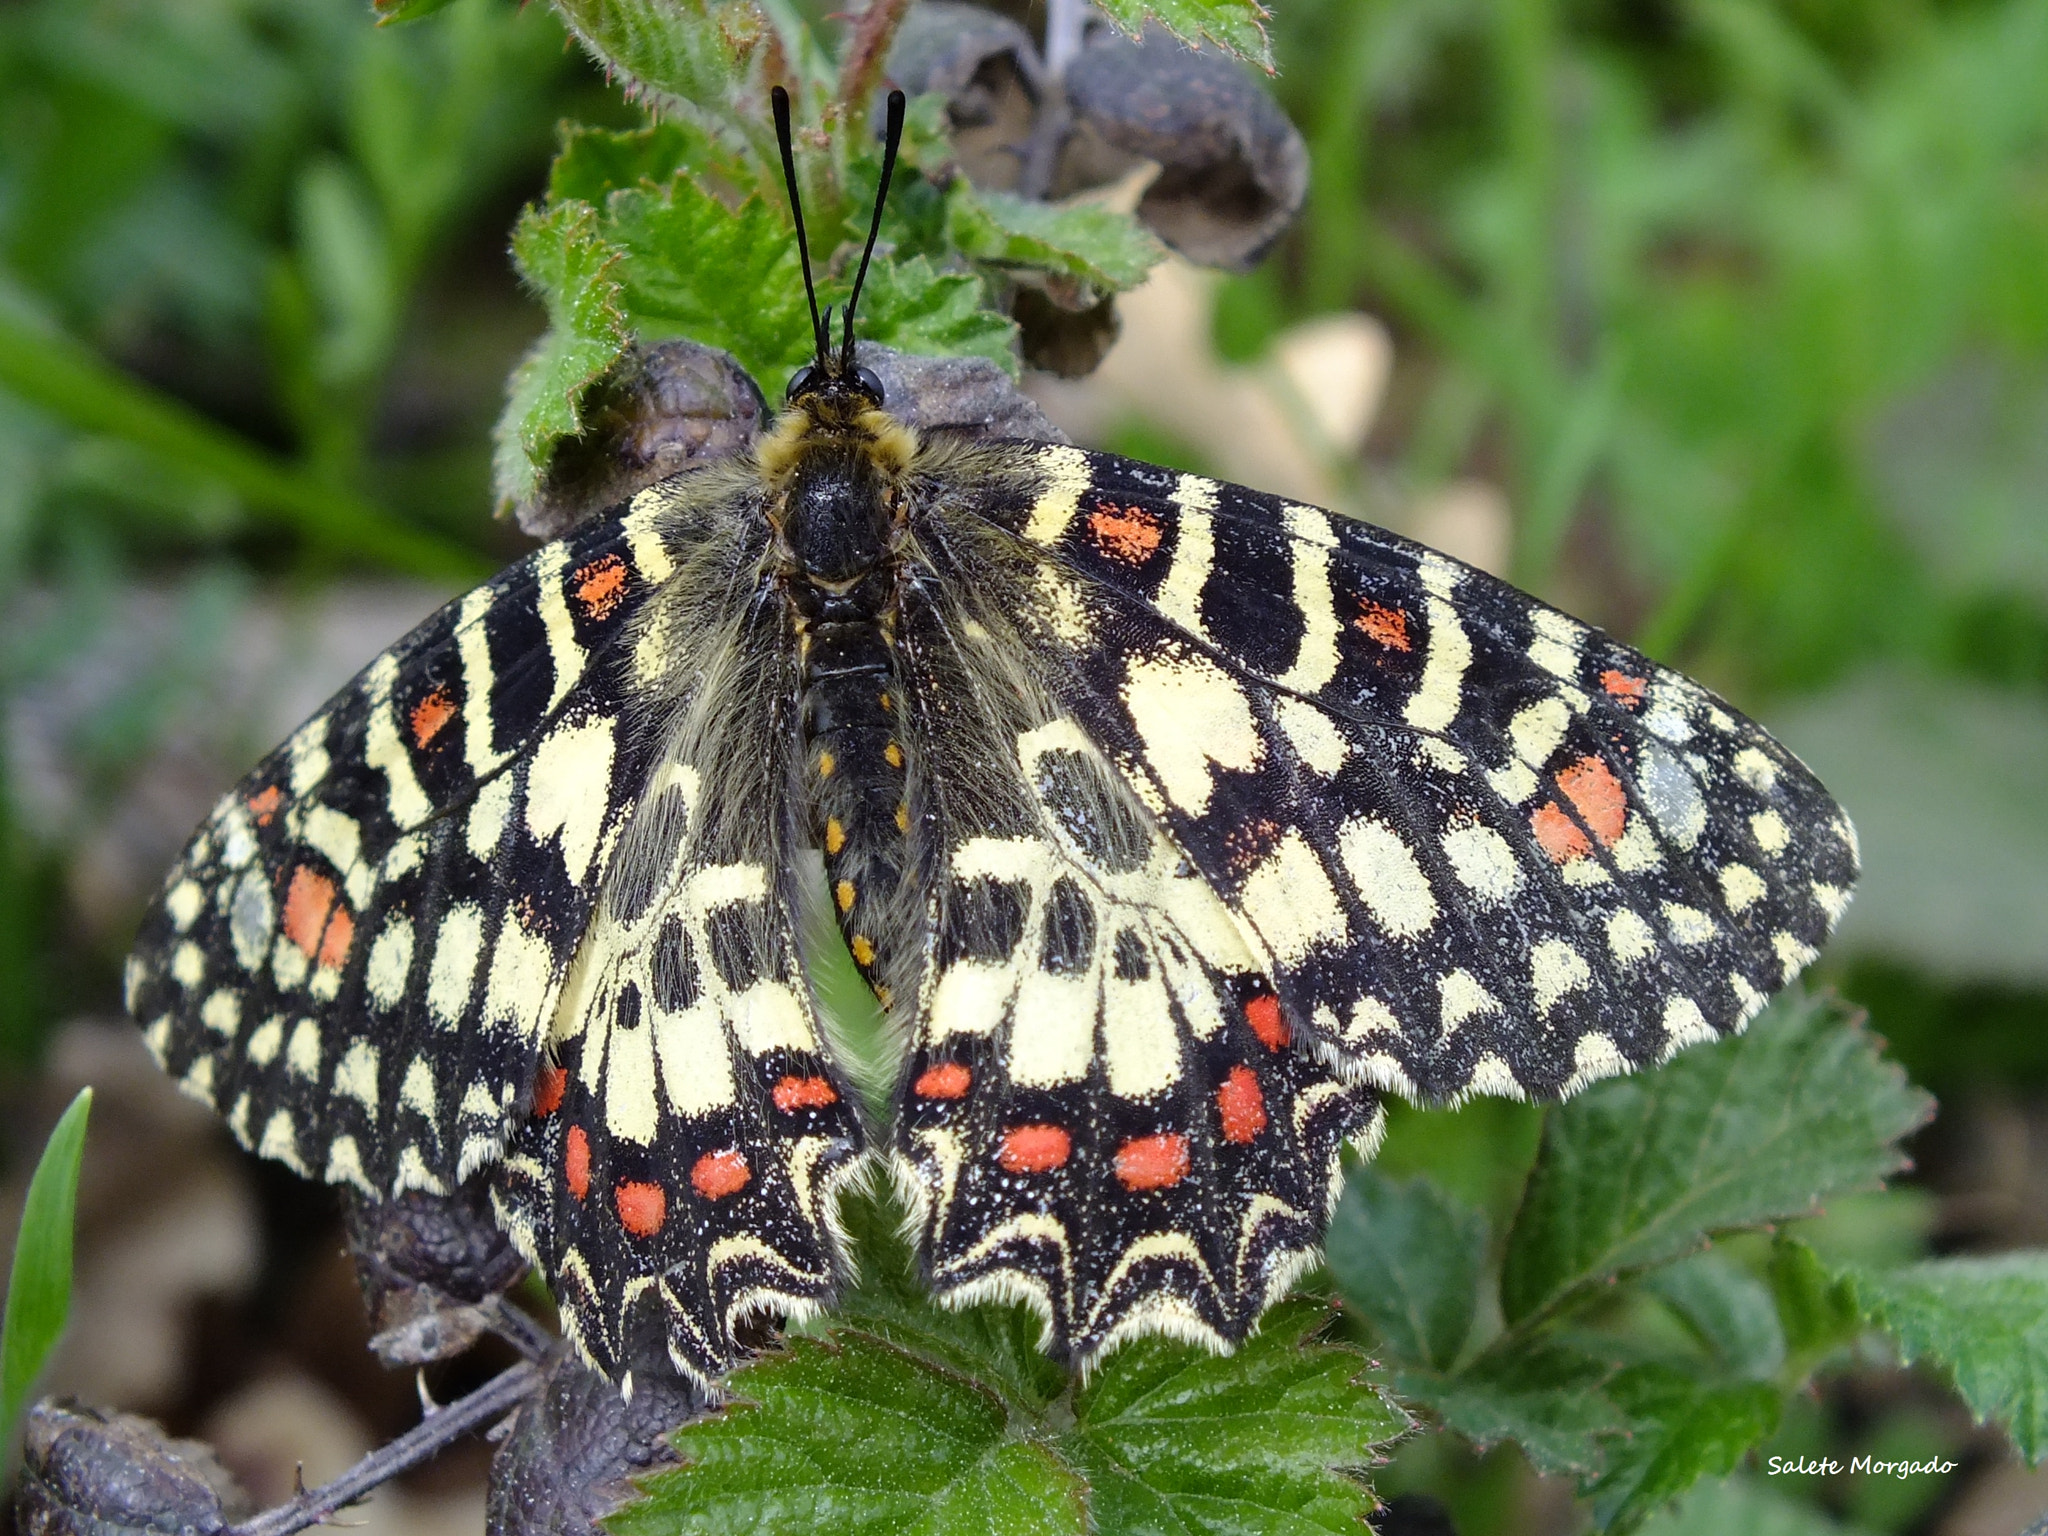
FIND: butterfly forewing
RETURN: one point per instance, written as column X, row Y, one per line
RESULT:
column 1479, row 846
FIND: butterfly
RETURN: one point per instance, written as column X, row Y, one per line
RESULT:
column 1172, row 824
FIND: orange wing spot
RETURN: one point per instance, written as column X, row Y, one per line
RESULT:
column 548, row 1087
column 265, row 804
column 1241, row 1104
column 576, row 1162
column 835, row 836
column 601, row 586
column 1263, row 1014
column 948, row 1080
column 794, row 1093
column 429, row 715
column 642, row 1207
column 1596, row 794
column 341, row 932
column 1035, row 1148
column 306, row 905
column 1126, row 534
column 718, row 1174
column 1625, row 688
column 1152, row 1162
column 1558, row 834
column 1389, row 626
column 863, row 949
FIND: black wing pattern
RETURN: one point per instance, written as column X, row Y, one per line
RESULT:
column 1479, row 846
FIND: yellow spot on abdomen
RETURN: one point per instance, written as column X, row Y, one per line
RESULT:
column 863, row 950
column 893, row 755
column 835, row 836
column 825, row 765
column 843, row 894
column 902, row 816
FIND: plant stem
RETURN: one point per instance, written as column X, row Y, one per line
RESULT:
column 66, row 378
column 316, row 1506
column 867, row 50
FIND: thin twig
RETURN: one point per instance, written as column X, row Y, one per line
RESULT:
column 867, row 51
column 517, row 1328
column 1066, row 25
column 496, row 1396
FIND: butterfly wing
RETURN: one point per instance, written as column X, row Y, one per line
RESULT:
column 690, row 1129
column 1100, row 1115
column 1479, row 846
column 353, row 959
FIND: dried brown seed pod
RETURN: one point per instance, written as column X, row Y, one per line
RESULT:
column 1233, row 169
column 426, row 1264
column 89, row 1472
column 575, row 1446
column 987, row 68
column 660, row 409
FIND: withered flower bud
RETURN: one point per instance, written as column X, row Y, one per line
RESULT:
column 89, row 1472
column 987, row 68
column 425, row 1262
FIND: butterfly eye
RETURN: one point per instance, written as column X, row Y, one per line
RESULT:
column 870, row 384
column 805, row 382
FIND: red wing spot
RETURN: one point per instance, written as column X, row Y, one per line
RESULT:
column 1596, row 794
column 1129, row 535
column 548, row 1088
column 306, row 905
column 1389, row 626
column 1629, row 690
column 1241, row 1104
column 265, row 804
column 601, row 586
column 1558, row 833
column 429, row 715
column 794, row 1093
column 576, row 1162
column 341, row 932
column 1152, row 1162
column 718, row 1174
column 1035, row 1148
column 1263, row 1014
column 642, row 1207
column 947, row 1080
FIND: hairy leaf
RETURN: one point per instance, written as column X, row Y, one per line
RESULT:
column 914, row 307
column 1986, row 1321
column 39, row 1287
column 1741, row 1504
column 1236, row 26
column 1816, row 1310
column 595, row 162
column 1548, row 1396
column 1107, row 250
column 688, row 53
column 1755, row 1129
column 1731, row 1311
column 1407, row 1258
column 1680, row 1432
column 561, row 252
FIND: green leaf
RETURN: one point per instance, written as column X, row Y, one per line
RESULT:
column 561, row 253
column 855, row 1434
column 1177, row 1439
column 728, row 277
column 1236, row 26
column 1548, row 1396
column 1963, row 894
column 39, row 1289
column 1107, row 250
column 690, row 53
column 1638, row 1170
column 1407, row 1258
column 595, row 162
column 1682, row 1431
column 390, row 11
column 1730, row 1310
column 909, row 1416
column 1741, row 1504
column 914, row 307
column 1986, row 1321
column 1817, row 1311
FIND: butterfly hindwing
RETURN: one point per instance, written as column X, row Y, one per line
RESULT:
column 1479, row 846
column 353, row 958
column 1102, row 1113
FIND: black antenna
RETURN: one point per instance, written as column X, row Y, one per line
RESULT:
column 892, row 138
column 796, row 207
